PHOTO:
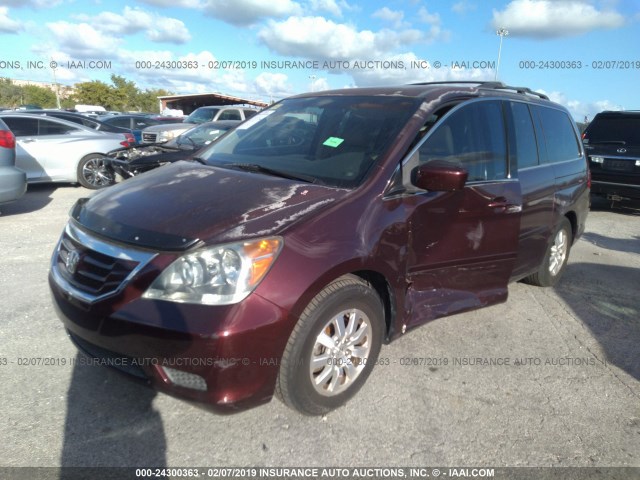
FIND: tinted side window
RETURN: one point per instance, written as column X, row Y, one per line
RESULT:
column 230, row 115
column 249, row 113
column 559, row 135
column 22, row 127
column 472, row 137
column 47, row 127
column 526, row 149
column 120, row 122
column 139, row 123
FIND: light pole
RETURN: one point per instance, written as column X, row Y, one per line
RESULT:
column 501, row 32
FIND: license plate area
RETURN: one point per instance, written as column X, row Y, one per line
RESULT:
column 618, row 165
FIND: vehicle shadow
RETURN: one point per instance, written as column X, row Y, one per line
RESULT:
column 36, row 198
column 619, row 244
column 605, row 299
column 110, row 422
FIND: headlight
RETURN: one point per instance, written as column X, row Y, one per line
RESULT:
column 597, row 159
column 165, row 136
column 219, row 275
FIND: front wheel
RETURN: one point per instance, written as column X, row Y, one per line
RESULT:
column 555, row 259
column 332, row 348
column 94, row 172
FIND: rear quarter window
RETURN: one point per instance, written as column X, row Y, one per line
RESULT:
column 560, row 137
column 47, row 127
column 524, row 146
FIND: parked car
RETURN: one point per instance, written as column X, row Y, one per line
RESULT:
column 135, row 123
column 315, row 231
column 131, row 161
column 13, row 182
column 612, row 142
column 54, row 150
column 165, row 132
column 88, row 122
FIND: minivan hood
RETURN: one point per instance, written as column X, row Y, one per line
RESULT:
column 179, row 205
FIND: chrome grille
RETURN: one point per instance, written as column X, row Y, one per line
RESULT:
column 90, row 269
column 96, row 273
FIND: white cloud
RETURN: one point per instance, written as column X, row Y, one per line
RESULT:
column 174, row 3
column 169, row 30
column 463, row 7
column 135, row 20
column 32, row 3
column 430, row 18
column 394, row 17
column 6, row 24
column 273, row 85
column 436, row 32
column 319, row 38
column 82, row 40
column 554, row 18
column 248, row 12
column 319, row 84
column 331, row 6
column 578, row 109
column 413, row 74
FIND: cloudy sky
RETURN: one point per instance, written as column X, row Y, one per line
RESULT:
column 583, row 53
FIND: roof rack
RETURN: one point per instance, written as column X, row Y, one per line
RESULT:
column 493, row 85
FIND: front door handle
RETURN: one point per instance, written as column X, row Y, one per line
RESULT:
column 503, row 204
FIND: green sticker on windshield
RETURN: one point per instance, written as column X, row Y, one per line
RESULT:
column 333, row 142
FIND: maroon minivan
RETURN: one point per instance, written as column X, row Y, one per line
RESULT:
column 285, row 255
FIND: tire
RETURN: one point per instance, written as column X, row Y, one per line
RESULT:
column 343, row 361
column 556, row 257
column 94, row 172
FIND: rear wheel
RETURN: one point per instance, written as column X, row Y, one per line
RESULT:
column 94, row 172
column 555, row 260
column 332, row 348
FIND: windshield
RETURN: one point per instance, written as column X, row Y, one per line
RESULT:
column 622, row 129
column 331, row 140
column 202, row 134
column 201, row 115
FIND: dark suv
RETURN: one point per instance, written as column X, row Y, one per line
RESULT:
column 612, row 143
column 282, row 257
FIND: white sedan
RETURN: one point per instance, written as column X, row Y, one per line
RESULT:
column 54, row 150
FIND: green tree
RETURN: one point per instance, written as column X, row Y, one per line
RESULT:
column 36, row 95
column 148, row 100
column 125, row 93
column 96, row 93
column 10, row 94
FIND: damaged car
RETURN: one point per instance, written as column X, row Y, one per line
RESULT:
column 131, row 161
column 323, row 227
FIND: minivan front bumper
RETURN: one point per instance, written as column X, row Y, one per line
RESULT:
column 223, row 357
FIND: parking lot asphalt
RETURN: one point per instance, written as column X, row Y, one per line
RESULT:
column 549, row 378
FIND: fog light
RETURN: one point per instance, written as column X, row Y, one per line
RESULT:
column 597, row 159
column 637, row 163
column 184, row 379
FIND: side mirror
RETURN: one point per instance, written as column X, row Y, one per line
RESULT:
column 439, row 176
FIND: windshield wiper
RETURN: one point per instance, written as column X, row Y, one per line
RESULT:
column 254, row 167
column 199, row 160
